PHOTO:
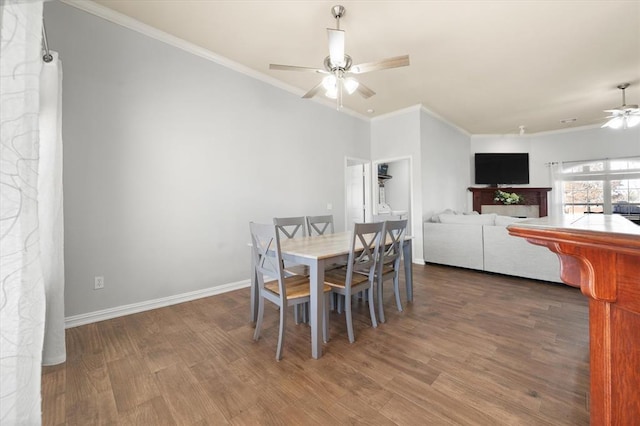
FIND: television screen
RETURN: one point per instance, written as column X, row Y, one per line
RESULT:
column 502, row 168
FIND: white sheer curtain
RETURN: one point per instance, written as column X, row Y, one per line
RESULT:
column 22, row 287
column 50, row 213
column 555, row 170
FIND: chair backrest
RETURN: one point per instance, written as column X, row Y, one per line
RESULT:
column 369, row 237
column 265, row 249
column 319, row 225
column 392, row 241
column 290, row 226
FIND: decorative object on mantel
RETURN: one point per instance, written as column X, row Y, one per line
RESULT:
column 508, row 198
column 483, row 197
column 625, row 116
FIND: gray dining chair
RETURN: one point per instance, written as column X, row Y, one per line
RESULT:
column 274, row 286
column 294, row 227
column 358, row 275
column 291, row 227
column 389, row 263
column 319, row 225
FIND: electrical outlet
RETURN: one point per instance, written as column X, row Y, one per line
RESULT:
column 329, row 206
column 98, row 283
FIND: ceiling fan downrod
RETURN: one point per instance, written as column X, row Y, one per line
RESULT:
column 622, row 87
column 338, row 12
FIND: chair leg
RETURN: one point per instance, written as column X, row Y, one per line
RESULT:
column 296, row 314
column 380, row 301
column 283, row 323
column 396, row 289
column 347, row 312
column 256, row 333
column 372, row 307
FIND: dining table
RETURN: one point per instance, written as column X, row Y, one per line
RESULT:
column 316, row 252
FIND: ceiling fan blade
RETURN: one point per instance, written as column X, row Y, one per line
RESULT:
column 365, row 91
column 336, row 46
column 295, row 68
column 311, row 93
column 395, row 62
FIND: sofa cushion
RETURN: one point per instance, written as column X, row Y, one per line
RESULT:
column 507, row 220
column 476, row 219
column 509, row 255
column 454, row 245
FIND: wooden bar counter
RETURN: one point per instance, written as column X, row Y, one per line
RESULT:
column 601, row 255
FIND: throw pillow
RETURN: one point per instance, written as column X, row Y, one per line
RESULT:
column 436, row 217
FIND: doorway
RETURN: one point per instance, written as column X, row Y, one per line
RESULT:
column 393, row 193
column 357, row 191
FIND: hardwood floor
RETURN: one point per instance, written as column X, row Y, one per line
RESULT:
column 473, row 349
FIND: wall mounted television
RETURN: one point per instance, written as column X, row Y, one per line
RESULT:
column 502, row 168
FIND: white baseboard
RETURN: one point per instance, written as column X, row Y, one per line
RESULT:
column 418, row 261
column 147, row 305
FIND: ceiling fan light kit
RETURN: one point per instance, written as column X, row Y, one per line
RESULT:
column 625, row 116
column 338, row 66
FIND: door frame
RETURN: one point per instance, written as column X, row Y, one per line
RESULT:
column 374, row 175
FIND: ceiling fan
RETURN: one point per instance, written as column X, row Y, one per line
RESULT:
column 624, row 116
column 339, row 68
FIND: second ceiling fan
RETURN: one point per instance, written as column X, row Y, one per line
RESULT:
column 339, row 68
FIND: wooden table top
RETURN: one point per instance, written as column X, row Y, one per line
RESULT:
column 322, row 246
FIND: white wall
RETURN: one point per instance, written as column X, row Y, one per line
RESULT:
column 576, row 144
column 397, row 136
column 168, row 156
column 445, row 166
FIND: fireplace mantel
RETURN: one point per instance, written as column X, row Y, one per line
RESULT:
column 532, row 197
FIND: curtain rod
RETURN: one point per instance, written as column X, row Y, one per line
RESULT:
column 47, row 57
column 551, row 163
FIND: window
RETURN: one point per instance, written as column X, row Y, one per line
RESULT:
column 602, row 186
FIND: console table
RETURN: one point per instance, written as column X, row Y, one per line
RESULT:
column 600, row 254
column 532, row 196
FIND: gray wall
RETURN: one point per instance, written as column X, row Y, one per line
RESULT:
column 168, row 156
column 445, row 166
column 396, row 136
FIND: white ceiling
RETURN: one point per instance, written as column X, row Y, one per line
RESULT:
column 486, row 66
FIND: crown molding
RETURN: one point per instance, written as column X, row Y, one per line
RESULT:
column 544, row 133
column 396, row 112
column 154, row 33
column 444, row 120
column 421, row 108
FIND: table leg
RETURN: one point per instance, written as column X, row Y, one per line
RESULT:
column 316, row 306
column 407, row 253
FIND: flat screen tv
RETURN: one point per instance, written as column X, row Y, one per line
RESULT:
column 502, row 168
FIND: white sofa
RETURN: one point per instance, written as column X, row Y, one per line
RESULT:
column 482, row 242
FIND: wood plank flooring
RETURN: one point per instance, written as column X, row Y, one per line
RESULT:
column 473, row 349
